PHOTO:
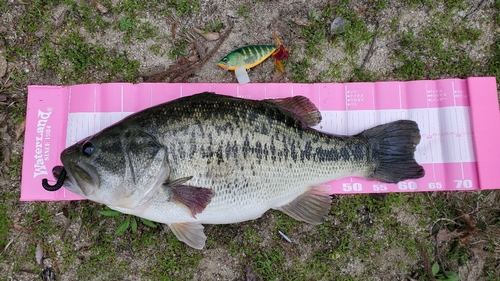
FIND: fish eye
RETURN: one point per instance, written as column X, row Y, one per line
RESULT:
column 224, row 59
column 88, row 148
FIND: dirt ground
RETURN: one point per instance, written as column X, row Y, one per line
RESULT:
column 382, row 237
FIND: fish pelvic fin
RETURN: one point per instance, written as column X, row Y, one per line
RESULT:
column 393, row 147
column 300, row 106
column 311, row 206
column 190, row 233
column 194, row 199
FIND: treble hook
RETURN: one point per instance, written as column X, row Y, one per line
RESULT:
column 59, row 183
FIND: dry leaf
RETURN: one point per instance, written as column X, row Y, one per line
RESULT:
column 193, row 58
column 250, row 276
column 20, row 129
column 200, row 49
column 100, row 7
column 464, row 234
column 21, row 228
column 470, row 221
column 479, row 252
column 278, row 77
column 209, row 36
column 59, row 15
column 445, row 235
column 39, row 254
column 6, row 155
column 303, row 22
column 3, row 65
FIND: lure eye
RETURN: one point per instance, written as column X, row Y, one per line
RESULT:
column 224, row 59
column 88, row 148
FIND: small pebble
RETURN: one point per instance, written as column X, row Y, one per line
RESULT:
column 338, row 25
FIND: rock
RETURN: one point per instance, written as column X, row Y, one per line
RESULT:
column 339, row 25
column 59, row 14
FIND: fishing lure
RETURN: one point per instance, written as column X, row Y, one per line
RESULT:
column 250, row 56
column 59, row 183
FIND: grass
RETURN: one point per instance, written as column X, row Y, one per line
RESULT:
column 179, row 47
column 243, row 11
column 362, row 238
column 14, row 167
column 18, row 111
column 434, row 51
column 84, row 61
column 427, row 55
column 214, row 25
column 5, row 224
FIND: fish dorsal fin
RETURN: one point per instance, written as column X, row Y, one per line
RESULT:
column 195, row 199
column 302, row 107
column 190, row 233
column 312, row 206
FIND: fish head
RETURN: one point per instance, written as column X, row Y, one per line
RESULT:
column 120, row 167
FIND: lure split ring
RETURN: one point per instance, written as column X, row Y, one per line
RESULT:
column 59, row 183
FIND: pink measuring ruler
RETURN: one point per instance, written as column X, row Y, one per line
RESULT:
column 458, row 119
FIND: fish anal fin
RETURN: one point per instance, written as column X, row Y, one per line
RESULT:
column 190, row 233
column 302, row 107
column 312, row 206
column 195, row 199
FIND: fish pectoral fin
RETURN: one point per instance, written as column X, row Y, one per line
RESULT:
column 195, row 199
column 190, row 233
column 312, row 206
column 300, row 106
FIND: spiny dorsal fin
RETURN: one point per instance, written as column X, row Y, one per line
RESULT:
column 300, row 106
column 312, row 206
column 190, row 233
column 195, row 199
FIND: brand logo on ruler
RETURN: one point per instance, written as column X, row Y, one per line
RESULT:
column 42, row 146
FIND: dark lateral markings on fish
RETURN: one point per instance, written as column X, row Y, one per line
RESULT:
column 214, row 159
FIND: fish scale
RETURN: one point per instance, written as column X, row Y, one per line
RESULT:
column 216, row 159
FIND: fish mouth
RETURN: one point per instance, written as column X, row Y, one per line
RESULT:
column 56, row 171
column 80, row 178
column 68, row 182
column 226, row 67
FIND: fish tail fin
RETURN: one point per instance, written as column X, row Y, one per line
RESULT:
column 394, row 146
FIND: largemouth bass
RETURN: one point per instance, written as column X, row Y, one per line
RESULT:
column 213, row 159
